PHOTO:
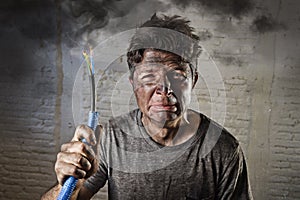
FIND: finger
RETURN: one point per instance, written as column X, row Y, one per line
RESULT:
column 64, row 170
column 83, row 131
column 80, row 148
column 70, row 170
column 63, row 173
column 94, row 168
column 75, row 159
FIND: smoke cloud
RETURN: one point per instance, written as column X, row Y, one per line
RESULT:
column 236, row 8
column 266, row 23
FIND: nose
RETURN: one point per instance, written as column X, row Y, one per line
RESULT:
column 164, row 86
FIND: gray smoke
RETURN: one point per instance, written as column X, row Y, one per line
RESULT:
column 266, row 23
column 34, row 19
column 80, row 18
column 236, row 8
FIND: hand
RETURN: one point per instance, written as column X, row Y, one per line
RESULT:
column 77, row 158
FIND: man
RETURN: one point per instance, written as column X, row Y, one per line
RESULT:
column 163, row 149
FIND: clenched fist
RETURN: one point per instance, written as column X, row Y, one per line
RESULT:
column 77, row 158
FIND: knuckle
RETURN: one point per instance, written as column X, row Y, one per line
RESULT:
column 59, row 156
column 56, row 168
column 79, row 132
column 66, row 146
column 80, row 127
column 82, row 146
column 63, row 147
column 73, row 170
column 78, row 158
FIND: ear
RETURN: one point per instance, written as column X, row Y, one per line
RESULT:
column 131, row 81
column 195, row 79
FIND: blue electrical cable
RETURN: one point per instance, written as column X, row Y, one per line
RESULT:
column 70, row 184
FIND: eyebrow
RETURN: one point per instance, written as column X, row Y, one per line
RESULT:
column 146, row 71
column 181, row 67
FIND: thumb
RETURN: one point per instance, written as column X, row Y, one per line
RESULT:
column 84, row 132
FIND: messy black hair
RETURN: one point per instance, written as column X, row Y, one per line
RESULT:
column 166, row 33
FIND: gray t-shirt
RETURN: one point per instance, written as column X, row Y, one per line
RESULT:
column 210, row 165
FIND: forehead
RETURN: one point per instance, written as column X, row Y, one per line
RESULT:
column 159, row 56
column 155, row 60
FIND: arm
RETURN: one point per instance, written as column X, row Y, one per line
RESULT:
column 52, row 193
column 80, row 193
column 234, row 182
column 75, row 159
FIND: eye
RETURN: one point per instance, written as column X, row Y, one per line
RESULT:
column 148, row 77
column 178, row 75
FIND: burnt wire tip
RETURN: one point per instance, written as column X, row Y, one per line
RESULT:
column 92, row 67
column 90, row 64
column 88, row 56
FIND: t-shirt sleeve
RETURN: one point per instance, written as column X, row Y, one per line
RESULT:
column 98, row 180
column 234, row 183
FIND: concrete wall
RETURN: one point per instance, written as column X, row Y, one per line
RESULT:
column 254, row 44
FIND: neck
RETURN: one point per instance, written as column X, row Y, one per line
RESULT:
column 174, row 132
column 163, row 135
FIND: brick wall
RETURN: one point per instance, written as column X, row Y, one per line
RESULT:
column 28, row 95
column 256, row 53
column 285, row 106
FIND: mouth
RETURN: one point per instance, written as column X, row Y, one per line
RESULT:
column 163, row 108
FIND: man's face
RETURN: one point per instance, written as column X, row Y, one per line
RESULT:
column 162, row 86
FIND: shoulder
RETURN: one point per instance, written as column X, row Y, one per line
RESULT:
column 218, row 140
column 123, row 125
column 123, row 121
